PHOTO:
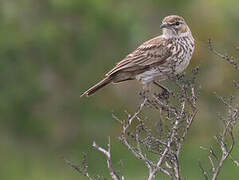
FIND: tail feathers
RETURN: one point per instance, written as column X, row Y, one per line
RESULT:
column 96, row 87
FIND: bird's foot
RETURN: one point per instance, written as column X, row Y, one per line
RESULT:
column 144, row 94
column 165, row 94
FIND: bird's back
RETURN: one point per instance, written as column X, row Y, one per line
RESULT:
column 151, row 53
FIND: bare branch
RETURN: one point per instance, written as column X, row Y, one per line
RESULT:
column 231, row 59
column 204, row 172
column 176, row 112
column 177, row 168
column 228, row 125
column 212, row 164
column 225, row 154
column 236, row 162
column 137, row 152
column 113, row 173
column 236, row 84
column 82, row 169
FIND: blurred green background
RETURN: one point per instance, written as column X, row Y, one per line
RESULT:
column 53, row 50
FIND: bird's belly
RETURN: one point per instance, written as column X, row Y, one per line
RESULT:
column 162, row 72
column 181, row 65
column 154, row 73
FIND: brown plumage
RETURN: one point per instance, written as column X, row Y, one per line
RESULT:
column 154, row 59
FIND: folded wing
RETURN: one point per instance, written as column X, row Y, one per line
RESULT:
column 151, row 53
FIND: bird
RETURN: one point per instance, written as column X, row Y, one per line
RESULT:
column 156, row 59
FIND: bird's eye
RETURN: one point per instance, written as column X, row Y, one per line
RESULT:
column 177, row 23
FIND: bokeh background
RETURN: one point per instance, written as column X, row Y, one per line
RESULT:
column 53, row 50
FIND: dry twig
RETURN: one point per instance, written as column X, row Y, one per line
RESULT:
column 229, row 59
column 107, row 153
column 229, row 123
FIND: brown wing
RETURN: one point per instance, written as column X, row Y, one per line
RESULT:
column 151, row 53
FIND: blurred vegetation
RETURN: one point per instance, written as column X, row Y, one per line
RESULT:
column 53, row 50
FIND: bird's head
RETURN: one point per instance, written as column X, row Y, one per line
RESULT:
column 174, row 26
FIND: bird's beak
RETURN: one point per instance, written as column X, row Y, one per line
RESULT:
column 164, row 25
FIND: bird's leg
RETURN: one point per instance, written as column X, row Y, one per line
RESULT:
column 161, row 86
column 146, row 90
column 165, row 93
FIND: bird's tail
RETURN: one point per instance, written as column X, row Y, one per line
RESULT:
column 98, row 86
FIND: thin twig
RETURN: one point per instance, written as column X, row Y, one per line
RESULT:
column 107, row 153
column 204, row 172
column 177, row 168
column 137, row 151
column 230, row 122
column 159, row 163
column 82, row 169
column 231, row 59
